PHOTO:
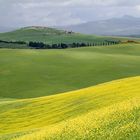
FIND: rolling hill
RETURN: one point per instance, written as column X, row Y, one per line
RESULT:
column 123, row 26
column 106, row 111
column 32, row 73
column 50, row 36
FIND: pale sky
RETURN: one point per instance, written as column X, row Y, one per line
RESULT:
column 63, row 12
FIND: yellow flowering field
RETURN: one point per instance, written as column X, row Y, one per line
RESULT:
column 106, row 111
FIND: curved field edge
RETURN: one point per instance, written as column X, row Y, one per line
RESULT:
column 24, row 116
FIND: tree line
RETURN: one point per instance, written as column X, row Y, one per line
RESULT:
column 41, row 45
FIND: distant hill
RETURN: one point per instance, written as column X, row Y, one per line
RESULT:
column 50, row 36
column 124, row 26
column 137, row 36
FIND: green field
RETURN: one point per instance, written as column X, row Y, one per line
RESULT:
column 36, row 73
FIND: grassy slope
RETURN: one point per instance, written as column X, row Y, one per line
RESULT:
column 106, row 111
column 50, row 36
column 35, row 73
